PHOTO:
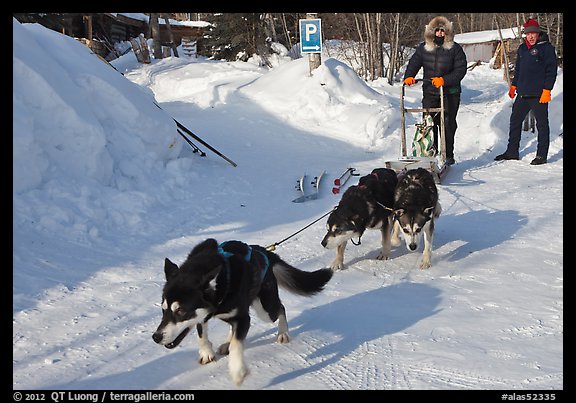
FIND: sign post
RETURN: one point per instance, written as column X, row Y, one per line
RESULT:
column 311, row 39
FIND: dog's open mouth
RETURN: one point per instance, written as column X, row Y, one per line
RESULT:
column 178, row 339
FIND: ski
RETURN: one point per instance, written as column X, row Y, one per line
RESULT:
column 341, row 181
column 316, row 184
column 306, row 194
column 301, row 188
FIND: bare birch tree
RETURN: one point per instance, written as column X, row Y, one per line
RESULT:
column 394, row 49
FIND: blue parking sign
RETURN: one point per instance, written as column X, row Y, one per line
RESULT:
column 310, row 36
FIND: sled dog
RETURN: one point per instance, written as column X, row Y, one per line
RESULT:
column 367, row 205
column 223, row 281
column 416, row 207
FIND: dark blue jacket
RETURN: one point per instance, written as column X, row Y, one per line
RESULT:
column 535, row 68
column 448, row 63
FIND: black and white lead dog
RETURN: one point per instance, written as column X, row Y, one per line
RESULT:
column 224, row 281
column 416, row 207
column 367, row 205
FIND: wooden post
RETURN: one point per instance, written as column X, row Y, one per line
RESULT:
column 442, row 127
column 506, row 71
column 403, row 119
column 170, row 35
column 314, row 59
column 88, row 21
column 156, row 40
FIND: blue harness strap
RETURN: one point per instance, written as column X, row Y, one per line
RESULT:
column 247, row 257
column 266, row 262
column 227, row 254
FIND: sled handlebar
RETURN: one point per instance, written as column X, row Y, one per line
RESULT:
column 416, row 81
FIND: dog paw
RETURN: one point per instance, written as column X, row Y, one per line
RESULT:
column 337, row 265
column 283, row 338
column 206, row 357
column 239, row 375
column 383, row 256
column 425, row 265
column 224, row 349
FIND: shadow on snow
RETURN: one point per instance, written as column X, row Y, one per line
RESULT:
column 359, row 319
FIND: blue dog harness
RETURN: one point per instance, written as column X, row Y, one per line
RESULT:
column 247, row 256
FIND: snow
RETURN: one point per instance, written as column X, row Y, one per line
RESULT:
column 486, row 36
column 104, row 189
column 145, row 18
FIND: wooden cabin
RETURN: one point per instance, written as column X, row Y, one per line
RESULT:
column 486, row 46
column 100, row 31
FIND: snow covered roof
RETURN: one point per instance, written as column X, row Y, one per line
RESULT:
column 485, row 36
column 143, row 17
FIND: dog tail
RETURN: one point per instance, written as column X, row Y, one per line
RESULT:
column 298, row 281
column 437, row 210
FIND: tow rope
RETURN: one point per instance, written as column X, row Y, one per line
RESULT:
column 272, row 247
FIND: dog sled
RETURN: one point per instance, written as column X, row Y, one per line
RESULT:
column 424, row 151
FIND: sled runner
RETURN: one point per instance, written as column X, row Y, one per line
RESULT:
column 424, row 151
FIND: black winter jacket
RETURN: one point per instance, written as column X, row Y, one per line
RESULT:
column 535, row 68
column 448, row 63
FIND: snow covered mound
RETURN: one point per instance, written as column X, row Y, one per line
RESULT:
column 332, row 100
column 73, row 105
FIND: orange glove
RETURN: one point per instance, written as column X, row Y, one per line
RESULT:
column 512, row 91
column 437, row 82
column 409, row 81
column 545, row 97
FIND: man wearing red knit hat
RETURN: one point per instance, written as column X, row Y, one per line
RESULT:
column 534, row 77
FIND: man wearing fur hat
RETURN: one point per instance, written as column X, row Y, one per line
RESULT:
column 444, row 64
column 534, row 77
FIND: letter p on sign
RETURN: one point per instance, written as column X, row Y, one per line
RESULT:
column 310, row 30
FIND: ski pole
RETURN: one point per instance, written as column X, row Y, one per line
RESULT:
column 194, row 146
column 181, row 126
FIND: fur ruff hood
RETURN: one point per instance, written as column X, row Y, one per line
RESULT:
column 429, row 33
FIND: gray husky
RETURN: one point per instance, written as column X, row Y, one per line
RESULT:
column 367, row 205
column 416, row 207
